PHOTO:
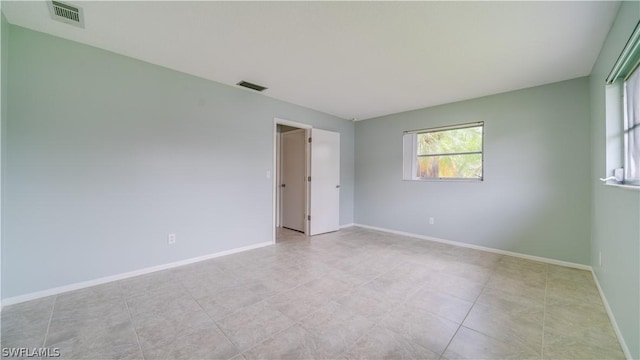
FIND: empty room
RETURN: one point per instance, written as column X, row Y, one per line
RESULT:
column 410, row 180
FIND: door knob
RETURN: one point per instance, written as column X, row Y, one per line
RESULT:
column 283, row 185
column 337, row 186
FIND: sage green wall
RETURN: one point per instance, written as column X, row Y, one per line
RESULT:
column 4, row 52
column 535, row 196
column 107, row 155
column 615, row 215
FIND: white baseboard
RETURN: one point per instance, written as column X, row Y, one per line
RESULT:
column 346, row 226
column 616, row 329
column 482, row 248
column 108, row 279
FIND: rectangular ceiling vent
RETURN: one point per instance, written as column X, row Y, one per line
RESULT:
column 66, row 13
column 251, row 86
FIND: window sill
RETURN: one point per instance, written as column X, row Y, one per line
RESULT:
column 444, row 180
column 628, row 187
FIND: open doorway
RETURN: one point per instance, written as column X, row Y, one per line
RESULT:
column 291, row 175
column 293, row 179
column 306, row 181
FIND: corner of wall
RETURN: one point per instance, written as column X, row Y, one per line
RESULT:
column 4, row 35
column 615, row 229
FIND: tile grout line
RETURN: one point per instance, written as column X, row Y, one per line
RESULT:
column 402, row 303
column 214, row 322
column 295, row 323
column 126, row 302
column 484, row 286
column 225, row 335
column 53, row 307
column 382, row 317
column 298, row 322
column 544, row 310
column 265, row 301
column 455, row 333
column 330, row 274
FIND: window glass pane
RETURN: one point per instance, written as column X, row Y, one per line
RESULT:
column 450, row 166
column 632, row 129
column 450, row 141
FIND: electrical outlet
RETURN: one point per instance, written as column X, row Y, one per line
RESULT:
column 172, row 239
column 431, row 221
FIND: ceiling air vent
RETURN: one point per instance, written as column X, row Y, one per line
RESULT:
column 66, row 13
column 251, row 86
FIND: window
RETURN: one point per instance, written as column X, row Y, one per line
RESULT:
column 625, row 78
column 632, row 129
column 444, row 153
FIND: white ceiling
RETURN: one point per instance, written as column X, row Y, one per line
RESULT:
column 350, row 59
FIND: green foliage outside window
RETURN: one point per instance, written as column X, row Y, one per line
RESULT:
column 455, row 153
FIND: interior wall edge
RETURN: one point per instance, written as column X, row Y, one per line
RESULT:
column 612, row 318
column 126, row 275
column 481, row 248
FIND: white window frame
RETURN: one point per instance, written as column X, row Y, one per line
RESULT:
column 631, row 129
column 410, row 153
column 618, row 128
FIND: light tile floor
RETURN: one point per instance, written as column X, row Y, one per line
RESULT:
column 352, row 294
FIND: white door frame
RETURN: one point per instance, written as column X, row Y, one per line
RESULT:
column 276, row 176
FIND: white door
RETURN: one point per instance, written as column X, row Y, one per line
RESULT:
column 325, row 182
column 292, row 182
